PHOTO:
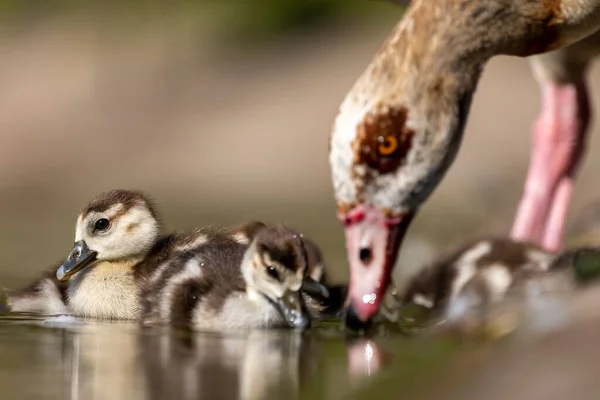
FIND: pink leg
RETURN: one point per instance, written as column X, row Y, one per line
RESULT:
column 558, row 143
column 555, row 226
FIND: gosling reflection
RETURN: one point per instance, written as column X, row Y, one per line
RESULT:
column 117, row 360
column 259, row 365
column 103, row 360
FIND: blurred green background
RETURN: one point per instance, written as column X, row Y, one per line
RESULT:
column 221, row 110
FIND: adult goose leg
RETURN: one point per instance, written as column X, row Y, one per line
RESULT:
column 559, row 138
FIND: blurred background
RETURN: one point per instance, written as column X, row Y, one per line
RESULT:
column 221, row 110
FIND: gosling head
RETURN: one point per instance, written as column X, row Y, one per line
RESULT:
column 274, row 267
column 116, row 225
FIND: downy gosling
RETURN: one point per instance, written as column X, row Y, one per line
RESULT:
column 117, row 243
column 469, row 280
column 118, row 253
column 324, row 299
column 236, row 284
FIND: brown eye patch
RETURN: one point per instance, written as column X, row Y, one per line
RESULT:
column 383, row 140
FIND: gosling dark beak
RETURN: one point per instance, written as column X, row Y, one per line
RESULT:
column 80, row 257
column 314, row 288
column 292, row 309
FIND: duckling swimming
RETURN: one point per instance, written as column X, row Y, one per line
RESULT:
column 114, row 232
column 474, row 275
column 474, row 281
column 118, row 245
column 118, row 254
column 231, row 285
column 324, row 299
column 539, row 301
column 46, row 295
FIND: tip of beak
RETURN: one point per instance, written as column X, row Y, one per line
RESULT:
column 354, row 321
column 60, row 274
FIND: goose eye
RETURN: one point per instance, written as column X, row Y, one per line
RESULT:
column 101, row 224
column 387, row 145
column 272, row 272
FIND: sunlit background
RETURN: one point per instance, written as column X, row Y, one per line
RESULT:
column 221, row 110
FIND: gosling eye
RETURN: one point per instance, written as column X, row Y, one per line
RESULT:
column 102, row 224
column 272, row 272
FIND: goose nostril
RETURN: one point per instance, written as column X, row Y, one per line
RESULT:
column 74, row 255
column 366, row 255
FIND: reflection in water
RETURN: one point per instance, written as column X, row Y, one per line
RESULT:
column 104, row 360
column 365, row 358
column 63, row 358
column 59, row 358
column 258, row 365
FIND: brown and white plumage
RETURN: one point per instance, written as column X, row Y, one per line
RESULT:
column 45, row 295
column 324, row 298
column 111, row 261
column 234, row 284
column 559, row 141
column 470, row 280
column 120, row 258
column 399, row 128
column 117, row 244
column 475, row 274
column 107, row 288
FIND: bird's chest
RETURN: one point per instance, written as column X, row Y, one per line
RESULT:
column 105, row 291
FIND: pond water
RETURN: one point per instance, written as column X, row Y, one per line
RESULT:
column 66, row 358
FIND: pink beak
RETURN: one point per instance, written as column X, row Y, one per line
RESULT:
column 372, row 243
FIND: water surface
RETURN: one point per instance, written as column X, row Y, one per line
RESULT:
column 66, row 358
